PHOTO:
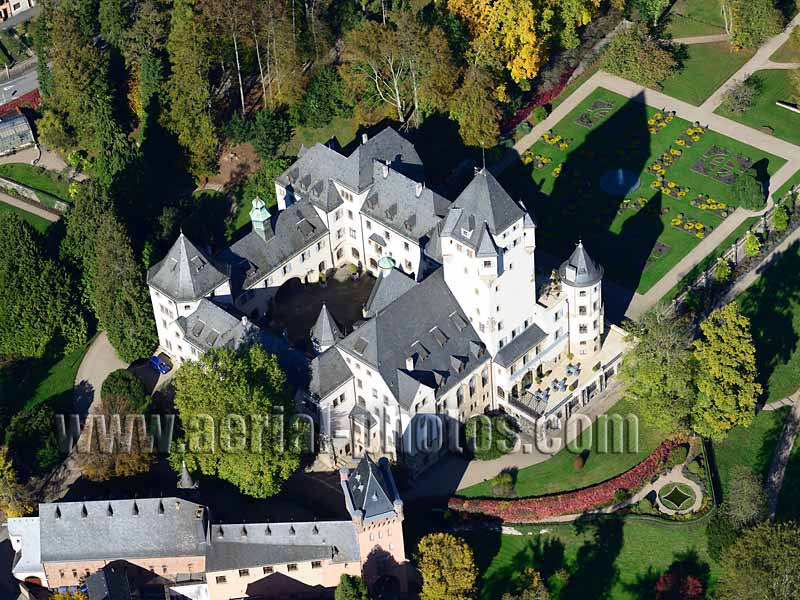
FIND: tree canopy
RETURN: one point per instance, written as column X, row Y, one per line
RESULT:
column 223, row 400
column 726, row 373
column 447, row 566
column 40, row 310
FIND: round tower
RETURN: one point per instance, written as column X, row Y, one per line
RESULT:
column 581, row 281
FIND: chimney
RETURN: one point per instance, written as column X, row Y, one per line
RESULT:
column 410, row 363
column 343, row 473
column 419, row 188
column 245, row 322
column 364, row 138
column 385, row 170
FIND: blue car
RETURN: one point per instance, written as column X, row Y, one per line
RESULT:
column 160, row 364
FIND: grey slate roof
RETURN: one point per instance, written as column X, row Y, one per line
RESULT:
column 310, row 176
column 486, row 199
column 185, row 273
column 122, row 529
column 211, row 326
column 292, row 230
column 328, row 372
column 386, row 146
column 386, row 290
column 248, row 545
column 29, row 557
column 325, row 332
column 519, row 345
column 579, row 269
column 426, row 323
column 394, row 203
column 371, row 488
column 109, row 583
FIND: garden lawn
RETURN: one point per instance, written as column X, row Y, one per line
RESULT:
column 622, row 558
column 38, row 223
column 342, row 128
column 790, row 183
column 689, row 18
column 558, row 474
column 788, row 53
column 636, row 246
column 706, row 67
column 784, row 123
column 41, row 180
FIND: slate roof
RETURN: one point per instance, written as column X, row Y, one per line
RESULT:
column 325, row 332
column 122, row 529
column 328, row 372
column 486, row 200
column 386, row 146
column 425, row 323
column 393, row 202
column 371, row 489
column 29, row 557
column 109, row 583
column 517, row 347
column 248, row 545
column 185, row 273
column 386, row 290
column 290, row 231
column 585, row 272
column 211, row 326
column 309, row 177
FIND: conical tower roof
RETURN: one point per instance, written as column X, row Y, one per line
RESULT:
column 186, row 482
column 185, row 273
column 579, row 269
column 325, row 332
column 486, row 199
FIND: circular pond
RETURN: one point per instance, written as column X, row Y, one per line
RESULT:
column 619, row 182
column 676, row 496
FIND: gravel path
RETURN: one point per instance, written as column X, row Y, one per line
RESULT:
column 777, row 470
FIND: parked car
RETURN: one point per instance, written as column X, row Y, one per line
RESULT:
column 161, row 363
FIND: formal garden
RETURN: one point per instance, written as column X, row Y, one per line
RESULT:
column 642, row 206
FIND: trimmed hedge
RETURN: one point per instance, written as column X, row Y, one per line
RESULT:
column 528, row 510
column 127, row 385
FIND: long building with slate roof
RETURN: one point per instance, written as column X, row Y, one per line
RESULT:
column 456, row 325
column 174, row 544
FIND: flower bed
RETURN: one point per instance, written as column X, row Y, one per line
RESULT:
column 659, row 121
column 598, row 112
column 708, row 204
column 556, row 140
column 721, row 164
column 528, row 510
column 695, row 228
column 669, row 188
column 539, row 161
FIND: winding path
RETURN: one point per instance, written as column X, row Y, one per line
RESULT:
column 777, row 470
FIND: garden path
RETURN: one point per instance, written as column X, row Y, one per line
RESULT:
column 28, row 207
column 705, row 116
column 759, row 61
column 777, row 470
column 699, row 39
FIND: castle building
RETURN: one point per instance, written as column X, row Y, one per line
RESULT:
column 459, row 322
column 172, row 543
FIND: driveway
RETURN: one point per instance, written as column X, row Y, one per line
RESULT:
column 100, row 359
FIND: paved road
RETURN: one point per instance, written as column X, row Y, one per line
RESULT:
column 759, row 61
column 100, row 359
column 27, row 207
column 20, row 18
column 777, row 470
column 18, row 85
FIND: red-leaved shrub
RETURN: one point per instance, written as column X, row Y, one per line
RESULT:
column 528, row 510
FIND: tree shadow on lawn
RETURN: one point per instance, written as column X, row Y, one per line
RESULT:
column 594, row 572
column 579, row 209
column 686, row 563
column 770, row 305
column 789, row 498
column 546, row 555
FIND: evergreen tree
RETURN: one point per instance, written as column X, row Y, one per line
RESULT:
column 120, row 295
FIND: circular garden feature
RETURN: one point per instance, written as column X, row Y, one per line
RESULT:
column 676, row 496
column 619, row 182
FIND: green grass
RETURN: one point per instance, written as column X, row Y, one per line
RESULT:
column 342, row 128
column 689, row 18
column 706, row 67
column 37, row 178
column 784, row 123
column 617, row 560
column 557, row 474
column 790, row 51
column 676, row 496
column 773, row 305
column 38, row 223
column 572, row 205
column 789, row 184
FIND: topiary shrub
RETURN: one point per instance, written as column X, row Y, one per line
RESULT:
column 677, row 456
column 502, row 485
column 125, row 384
column 489, row 437
column 580, row 460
